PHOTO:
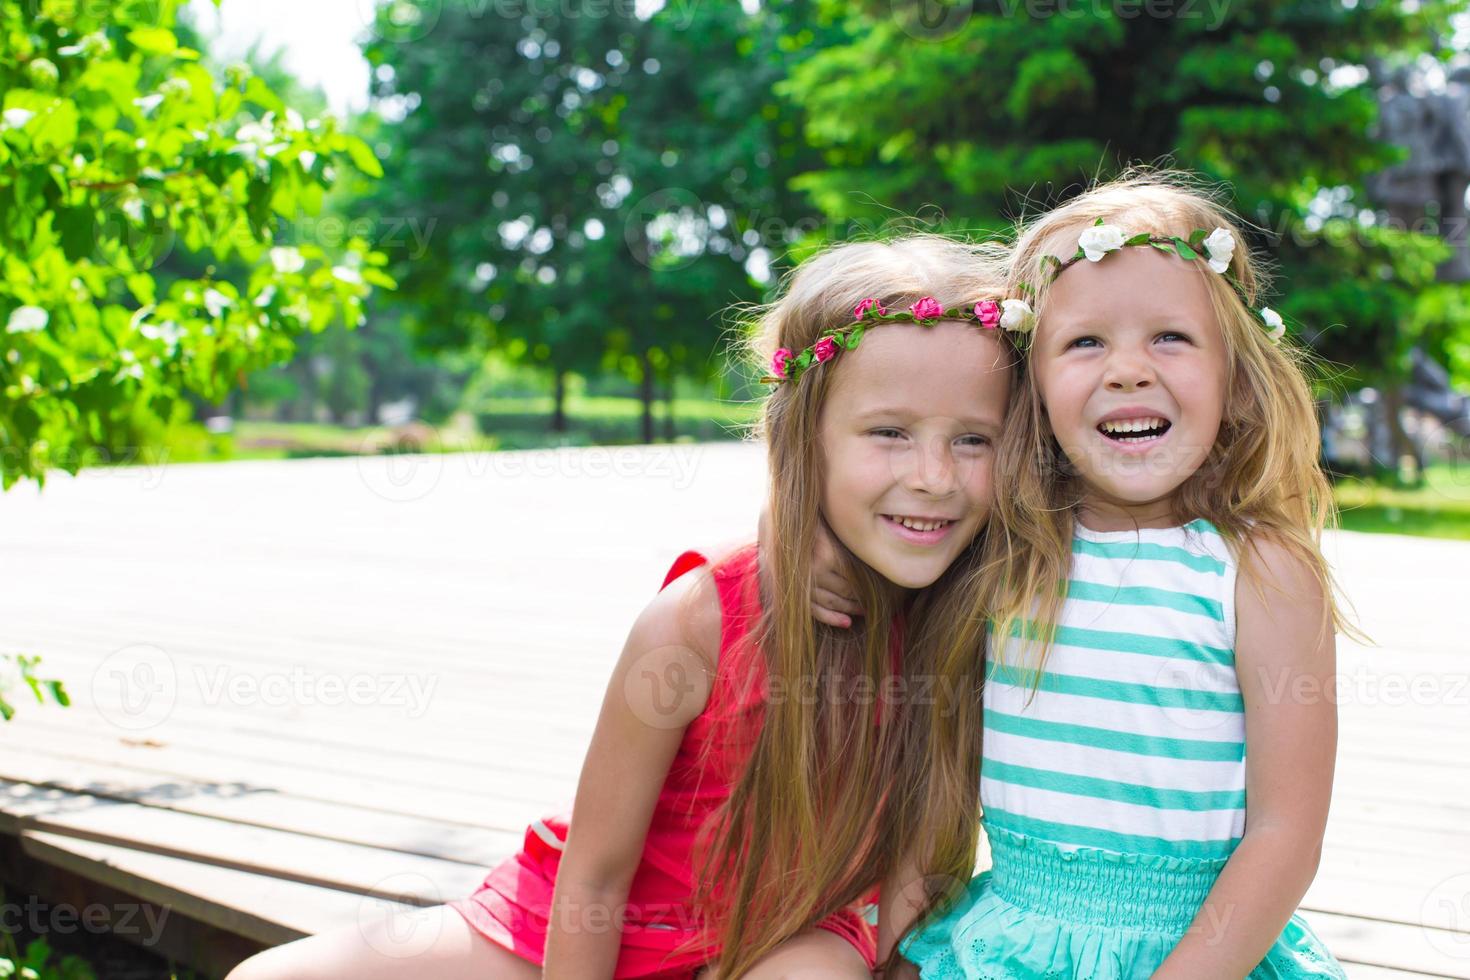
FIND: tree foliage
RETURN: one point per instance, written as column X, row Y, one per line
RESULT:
column 116, row 148
column 592, row 184
column 989, row 110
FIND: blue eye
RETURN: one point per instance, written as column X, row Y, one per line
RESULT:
column 1083, row 340
column 884, row 433
column 1175, row 334
column 980, row 440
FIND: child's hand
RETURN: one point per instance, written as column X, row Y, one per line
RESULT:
column 832, row 601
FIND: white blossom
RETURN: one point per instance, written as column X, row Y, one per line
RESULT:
column 1219, row 247
column 287, row 259
column 1016, row 315
column 1098, row 240
column 1273, row 320
column 27, row 319
column 216, row 302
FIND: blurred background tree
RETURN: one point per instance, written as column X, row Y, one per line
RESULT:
column 593, row 184
column 991, row 110
column 574, row 199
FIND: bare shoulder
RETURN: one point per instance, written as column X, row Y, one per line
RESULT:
column 686, row 613
column 1269, row 563
column 1283, row 616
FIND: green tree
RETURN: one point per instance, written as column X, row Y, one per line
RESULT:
column 991, row 109
column 116, row 147
column 595, row 185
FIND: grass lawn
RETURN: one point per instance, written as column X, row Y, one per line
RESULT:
column 1439, row 509
column 504, row 423
column 685, row 409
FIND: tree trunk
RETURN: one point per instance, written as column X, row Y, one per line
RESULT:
column 1399, row 442
column 645, row 392
column 303, row 407
column 559, row 401
column 669, row 429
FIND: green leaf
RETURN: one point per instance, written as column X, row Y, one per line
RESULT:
column 378, row 278
column 1139, row 239
column 362, row 156
column 1182, row 247
column 1197, row 237
column 154, row 40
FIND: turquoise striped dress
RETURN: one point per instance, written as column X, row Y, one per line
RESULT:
column 1113, row 795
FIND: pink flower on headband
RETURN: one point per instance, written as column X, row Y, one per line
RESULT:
column 987, row 311
column 927, row 308
column 823, row 349
column 778, row 362
column 861, row 310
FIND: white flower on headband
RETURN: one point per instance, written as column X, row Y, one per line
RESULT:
column 1273, row 320
column 1016, row 315
column 1219, row 247
column 1098, row 240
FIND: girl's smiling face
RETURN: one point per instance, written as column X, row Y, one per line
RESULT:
column 908, row 431
column 1131, row 367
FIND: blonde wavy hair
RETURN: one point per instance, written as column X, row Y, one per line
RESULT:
column 830, row 801
column 1261, row 478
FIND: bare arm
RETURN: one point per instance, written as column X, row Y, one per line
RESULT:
column 899, row 901
column 661, row 682
column 1285, row 671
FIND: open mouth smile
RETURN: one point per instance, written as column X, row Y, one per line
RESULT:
column 1140, row 431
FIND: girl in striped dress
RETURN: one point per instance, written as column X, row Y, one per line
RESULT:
column 1159, row 734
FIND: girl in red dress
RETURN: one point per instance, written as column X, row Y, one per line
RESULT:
column 755, row 778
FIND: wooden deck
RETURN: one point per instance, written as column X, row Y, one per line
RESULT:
column 308, row 691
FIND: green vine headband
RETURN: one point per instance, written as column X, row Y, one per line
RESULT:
column 1216, row 248
column 1010, row 315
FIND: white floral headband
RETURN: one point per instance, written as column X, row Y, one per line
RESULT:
column 1010, row 315
column 1216, row 248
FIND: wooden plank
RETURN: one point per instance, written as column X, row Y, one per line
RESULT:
column 1392, row 946
column 258, row 850
column 243, row 755
column 1420, row 829
column 1359, row 971
column 494, row 777
column 476, row 846
column 1353, row 880
column 459, row 804
column 264, row 909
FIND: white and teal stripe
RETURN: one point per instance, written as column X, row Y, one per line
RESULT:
column 1135, row 741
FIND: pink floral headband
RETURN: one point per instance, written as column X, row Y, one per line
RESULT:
column 1011, row 315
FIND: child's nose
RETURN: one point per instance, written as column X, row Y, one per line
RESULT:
column 933, row 469
column 1127, row 371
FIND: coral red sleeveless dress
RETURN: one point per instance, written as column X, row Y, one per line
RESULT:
column 512, row 904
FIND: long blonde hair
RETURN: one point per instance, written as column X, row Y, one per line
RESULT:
column 830, row 800
column 1262, row 477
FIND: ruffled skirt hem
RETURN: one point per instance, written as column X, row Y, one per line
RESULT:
column 984, row 937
